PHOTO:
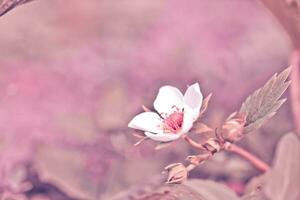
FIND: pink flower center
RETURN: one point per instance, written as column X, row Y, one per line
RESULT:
column 173, row 122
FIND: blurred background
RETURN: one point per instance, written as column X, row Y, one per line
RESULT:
column 73, row 73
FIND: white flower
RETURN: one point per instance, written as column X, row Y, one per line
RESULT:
column 176, row 114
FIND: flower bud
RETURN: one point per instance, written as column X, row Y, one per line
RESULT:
column 212, row 145
column 232, row 129
column 198, row 159
column 177, row 173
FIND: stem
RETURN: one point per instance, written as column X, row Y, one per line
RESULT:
column 258, row 163
column 193, row 143
column 190, row 167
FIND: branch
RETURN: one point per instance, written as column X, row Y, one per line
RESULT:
column 259, row 164
column 196, row 160
column 193, row 143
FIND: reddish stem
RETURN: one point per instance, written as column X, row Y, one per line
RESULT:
column 259, row 164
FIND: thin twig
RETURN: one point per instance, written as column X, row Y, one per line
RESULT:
column 193, row 143
column 258, row 163
column 190, row 167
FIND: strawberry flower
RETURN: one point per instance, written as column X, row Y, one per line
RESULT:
column 175, row 114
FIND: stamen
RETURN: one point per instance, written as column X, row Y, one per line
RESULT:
column 173, row 122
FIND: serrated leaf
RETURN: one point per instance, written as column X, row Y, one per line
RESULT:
column 211, row 190
column 264, row 102
column 263, row 120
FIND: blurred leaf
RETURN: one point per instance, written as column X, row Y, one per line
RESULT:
column 65, row 169
column 211, row 190
column 264, row 102
column 172, row 192
column 113, row 108
column 283, row 180
column 254, row 196
column 190, row 190
column 79, row 126
column 12, row 196
column 253, row 189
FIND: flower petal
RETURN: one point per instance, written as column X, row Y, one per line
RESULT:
column 162, row 137
column 187, row 120
column 193, row 99
column 167, row 98
column 147, row 121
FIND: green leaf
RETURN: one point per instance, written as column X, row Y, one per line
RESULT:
column 264, row 102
